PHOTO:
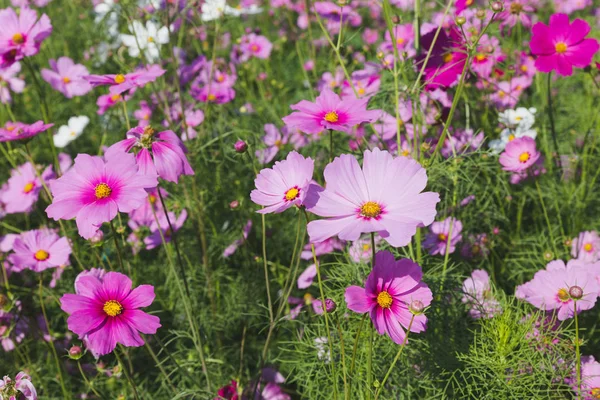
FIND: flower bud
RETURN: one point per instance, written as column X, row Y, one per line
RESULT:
column 416, row 307
column 234, row 204
column 75, row 352
column 396, row 19
column 3, row 301
column 460, row 20
column 480, row 14
column 240, row 146
column 497, row 6
column 330, row 306
column 576, row 292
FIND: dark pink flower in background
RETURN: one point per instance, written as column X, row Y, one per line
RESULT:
column 393, row 294
column 39, row 250
column 253, row 45
column 21, row 35
column 10, row 82
column 160, row 154
column 561, row 45
column 155, row 239
column 443, row 235
column 447, row 59
column 20, row 131
column 107, row 311
column 67, row 77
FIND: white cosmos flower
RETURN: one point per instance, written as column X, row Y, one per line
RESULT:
column 104, row 8
column 214, row 9
column 508, row 135
column 67, row 133
column 521, row 119
column 146, row 38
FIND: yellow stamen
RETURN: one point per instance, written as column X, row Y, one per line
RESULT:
column 150, row 39
column 120, row 78
column 384, row 299
column 399, row 41
column 501, row 94
column 66, row 79
column 41, row 255
column 331, row 116
column 28, row 187
column 211, row 97
column 370, row 209
column 366, row 247
column 516, row 8
column 361, row 91
column 102, row 191
column 563, row 295
column 480, row 57
column 18, row 38
column 511, row 137
column 112, row 308
column 447, row 58
column 595, row 392
column 115, row 97
column 588, row 247
column 254, row 48
column 292, row 194
column 524, row 157
column 560, row 47
column 524, row 68
column 152, row 198
column 442, row 237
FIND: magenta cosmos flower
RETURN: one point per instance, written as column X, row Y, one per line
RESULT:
column 94, row 190
column 253, row 45
column 560, row 46
column 161, row 154
column 67, row 77
column 519, row 154
column 440, row 235
column 39, row 250
column 559, row 285
column 20, row 131
column 330, row 112
column 393, row 293
column 285, row 185
column 21, row 35
column 23, row 188
column 120, row 83
column 384, row 197
column 106, row 312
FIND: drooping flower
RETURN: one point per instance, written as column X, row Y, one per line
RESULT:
column 161, row 154
column 443, row 235
column 23, row 188
column 67, row 77
column 285, row 185
column 147, row 39
column 39, row 250
column 21, row 131
column 19, row 388
column 107, row 311
column 94, row 190
column 120, row 83
column 330, row 112
column 22, row 34
column 393, row 294
column 560, row 45
column 519, row 154
column 67, row 133
column 478, row 295
column 586, row 247
column 558, row 286
column 383, row 197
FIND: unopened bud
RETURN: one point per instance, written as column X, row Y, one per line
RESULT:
column 576, row 292
column 396, row 19
column 330, row 306
column 480, row 14
column 75, row 352
column 416, row 307
column 460, row 20
column 3, row 300
column 240, row 146
column 497, row 6
column 234, row 204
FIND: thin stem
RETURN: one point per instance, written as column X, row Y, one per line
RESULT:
column 127, row 375
column 330, row 145
column 160, row 367
column 118, row 247
column 343, row 356
column 86, row 380
column 126, row 114
column 370, row 364
column 373, row 252
column 362, row 322
column 387, row 375
column 577, row 352
column 537, row 185
column 175, row 243
column 551, row 118
column 267, row 283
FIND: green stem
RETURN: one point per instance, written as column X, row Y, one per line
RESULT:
column 118, row 247
column 551, row 118
column 267, row 284
column 577, row 352
column 355, row 347
column 537, row 185
column 370, row 364
column 127, row 374
column 86, row 380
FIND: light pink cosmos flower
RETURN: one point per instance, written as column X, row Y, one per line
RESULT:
column 20, row 388
column 586, row 247
column 285, row 185
column 519, row 154
column 39, row 250
column 517, row 11
column 144, row 215
column 384, row 197
column 21, row 34
column 306, row 278
column 120, row 83
column 107, row 311
column 361, row 250
column 330, row 112
column 253, row 45
column 20, row 131
column 9, row 79
column 155, row 239
column 94, row 190
column 569, row 6
column 67, row 77
column 228, row 252
column 143, row 114
column 161, row 153
column 325, row 247
column 478, row 295
column 23, row 188
column 559, row 285
column 560, row 45
column 392, row 295
column 193, row 118
column 441, row 238
column 590, row 379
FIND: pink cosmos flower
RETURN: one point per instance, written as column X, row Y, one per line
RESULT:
column 590, row 378
column 392, row 295
column 384, row 197
column 120, row 83
column 331, row 81
column 306, row 278
column 95, row 189
column 67, row 77
column 440, row 237
column 560, row 45
column 586, row 247
column 559, row 285
column 10, row 81
column 155, row 239
column 193, row 118
column 238, row 242
column 228, row 392
column 20, row 131
column 253, row 45
column 21, row 34
column 107, row 311
column 405, row 37
column 361, row 251
column 285, row 185
column 517, row 11
column 447, row 60
column 161, row 154
column 20, row 388
column 39, row 250
column 144, row 215
column 143, row 114
column 477, row 294
column 330, row 112
column 519, row 154
column 325, row 247
column 23, row 188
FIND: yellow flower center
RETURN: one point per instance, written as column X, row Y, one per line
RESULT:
column 595, row 392
column 366, row 247
column 560, row 47
column 384, row 299
column 220, row 78
column 588, row 247
column 150, row 39
column 516, row 8
column 102, row 191
column 399, row 41
column 115, row 97
column 518, row 118
column 563, row 295
column 28, row 187
column 211, row 97
column 480, row 57
column 370, row 209
column 254, row 48
column 152, row 198
column 120, row 78
column 524, row 68
column 501, row 94
column 447, row 57
column 292, row 194
column 524, row 157
column 361, row 91
column 18, row 38
column 331, row 116
column 66, row 79
column 511, row 137
column 112, row 308
column 41, row 255
column 442, row 237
